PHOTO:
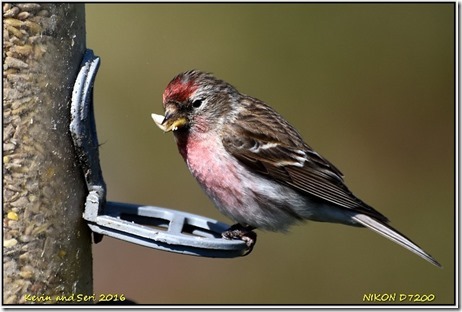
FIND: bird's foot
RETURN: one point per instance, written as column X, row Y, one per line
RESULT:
column 245, row 233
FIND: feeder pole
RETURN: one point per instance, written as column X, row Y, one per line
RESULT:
column 46, row 243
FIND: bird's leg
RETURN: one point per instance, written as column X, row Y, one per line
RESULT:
column 242, row 232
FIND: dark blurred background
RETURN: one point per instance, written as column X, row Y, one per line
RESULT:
column 369, row 86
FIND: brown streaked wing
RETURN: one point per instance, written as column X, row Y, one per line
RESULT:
column 315, row 176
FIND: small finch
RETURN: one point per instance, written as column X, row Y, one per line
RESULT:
column 255, row 166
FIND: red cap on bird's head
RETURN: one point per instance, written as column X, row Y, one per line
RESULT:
column 179, row 89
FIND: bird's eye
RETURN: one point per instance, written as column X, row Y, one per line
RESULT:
column 197, row 103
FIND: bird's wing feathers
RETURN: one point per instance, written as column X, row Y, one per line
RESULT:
column 287, row 159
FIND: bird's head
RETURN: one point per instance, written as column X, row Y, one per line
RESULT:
column 194, row 99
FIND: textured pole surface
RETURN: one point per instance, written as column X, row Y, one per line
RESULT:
column 46, row 244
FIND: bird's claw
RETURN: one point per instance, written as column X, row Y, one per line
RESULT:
column 244, row 233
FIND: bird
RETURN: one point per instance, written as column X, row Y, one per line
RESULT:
column 255, row 166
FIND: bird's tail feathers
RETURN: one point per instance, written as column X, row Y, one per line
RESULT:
column 392, row 234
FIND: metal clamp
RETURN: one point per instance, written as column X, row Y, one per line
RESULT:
column 150, row 226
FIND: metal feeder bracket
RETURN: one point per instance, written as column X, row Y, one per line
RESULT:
column 150, row 226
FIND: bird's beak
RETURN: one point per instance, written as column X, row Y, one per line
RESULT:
column 170, row 122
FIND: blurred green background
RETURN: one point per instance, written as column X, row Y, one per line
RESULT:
column 369, row 86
